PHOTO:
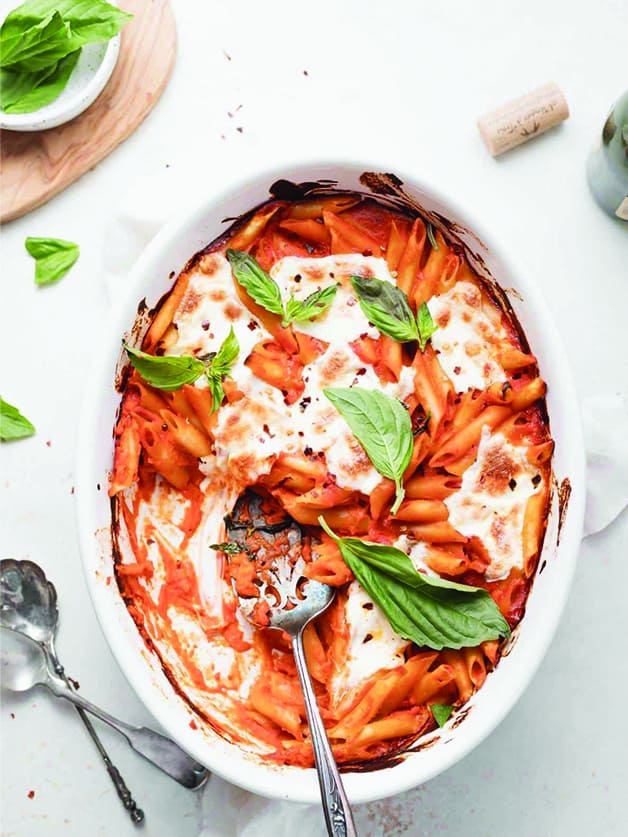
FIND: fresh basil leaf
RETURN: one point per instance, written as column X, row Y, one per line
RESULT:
column 222, row 361
column 53, row 258
column 427, row 610
column 426, row 324
column 386, row 306
column 13, row 425
column 382, row 426
column 91, row 21
column 229, row 547
column 217, row 391
column 166, row 373
column 41, row 32
column 303, row 310
column 219, row 366
column 33, row 42
column 256, row 282
column 16, row 84
column 22, row 92
column 441, row 713
column 431, row 236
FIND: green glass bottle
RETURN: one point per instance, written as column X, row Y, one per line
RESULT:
column 607, row 166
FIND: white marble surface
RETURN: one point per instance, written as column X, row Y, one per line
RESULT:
column 402, row 82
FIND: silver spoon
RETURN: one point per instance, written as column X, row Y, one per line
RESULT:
column 36, row 667
column 29, row 605
column 293, row 602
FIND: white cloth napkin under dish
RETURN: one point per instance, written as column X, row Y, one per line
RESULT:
column 228, row 811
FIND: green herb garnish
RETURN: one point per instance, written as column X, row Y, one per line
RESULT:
column 303, row 310
column 431, row 236
column 426, row 610
column 382, row 426
column 263, row 289
column 426, row 325
column 229, row 547
column 220, row 366
column 173, row 371
column 387, row 307
column 13, row 425
column 441, row 713
column 53, row 258
column 258, row 284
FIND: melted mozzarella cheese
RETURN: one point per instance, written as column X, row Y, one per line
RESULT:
column 373, row 645
column 417, row 552
column 491, row 501
column 252, row 432
column 324, row 429
column 209, row 308
column 344, row 320
column 466, row 339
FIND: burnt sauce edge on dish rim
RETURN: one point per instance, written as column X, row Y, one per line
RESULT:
column 387, row 189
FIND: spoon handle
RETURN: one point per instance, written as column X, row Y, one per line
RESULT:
column 335, row 803
column 156, row 748
column 124, row 794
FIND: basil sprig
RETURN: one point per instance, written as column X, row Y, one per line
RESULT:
column 263, row 289
column 387, row 307
column 382, row 426
column 173, row 371
column 427, row 610
column 441, row 713
column 167, row 373
column 53, row 258
column 13, row 425
column 302, row 310
column 426, row 325
column 219, row 366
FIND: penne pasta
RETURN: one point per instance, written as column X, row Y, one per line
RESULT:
column 431, row 486
column 464, row 456
column 422, row 511
column 469, row 436
column 408, row 267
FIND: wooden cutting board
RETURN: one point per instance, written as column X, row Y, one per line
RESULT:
column 36, row 166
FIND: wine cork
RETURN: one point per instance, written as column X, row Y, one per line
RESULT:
column 522, row 119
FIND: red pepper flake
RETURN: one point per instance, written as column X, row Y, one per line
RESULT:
column 72, row 490
column 108, row 581
column 457, row 370
column 12, row 714
column 31, row 794
column 193, row 724
column 48, row 443
column 305, row 73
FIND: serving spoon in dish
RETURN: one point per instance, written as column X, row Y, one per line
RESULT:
column 288, row 601
column 28, row 622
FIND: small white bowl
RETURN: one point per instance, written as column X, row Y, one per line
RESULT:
column 88, row 79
